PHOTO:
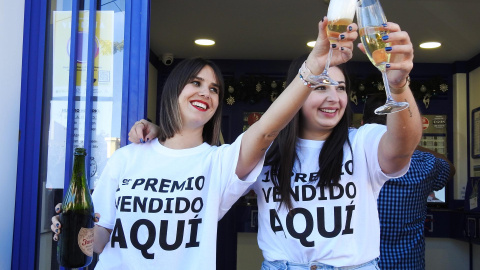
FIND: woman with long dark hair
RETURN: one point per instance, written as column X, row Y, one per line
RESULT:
column 317, row 194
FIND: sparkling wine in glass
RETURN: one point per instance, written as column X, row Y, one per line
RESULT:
column 340, row 15
column 370, row 17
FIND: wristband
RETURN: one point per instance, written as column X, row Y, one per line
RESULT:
column 307, row 77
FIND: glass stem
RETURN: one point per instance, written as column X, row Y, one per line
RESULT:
column 329, row 58
column 387, row 86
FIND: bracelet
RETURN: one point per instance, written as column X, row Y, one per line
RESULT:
column 306, row 76
column 395, row 89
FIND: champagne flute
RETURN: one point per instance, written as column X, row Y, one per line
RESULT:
column 370, row 17
column 340, row 14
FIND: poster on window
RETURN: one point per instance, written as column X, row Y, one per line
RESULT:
column 102, row 145
column 103, row 53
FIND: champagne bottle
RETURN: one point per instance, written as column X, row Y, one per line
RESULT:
column 75, row 246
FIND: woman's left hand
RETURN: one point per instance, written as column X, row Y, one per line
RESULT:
column 143, row 131
column 401, row 59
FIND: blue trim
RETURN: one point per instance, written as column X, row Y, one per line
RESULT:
column 135, row 73
column 92, row 19
column 126, row 72
column 26, row 231
column 26, row 202
column 72, row 90
column 72, row 93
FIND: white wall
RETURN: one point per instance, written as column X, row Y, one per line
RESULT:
column 11, row 40
column 460, row 133
column 474, row 99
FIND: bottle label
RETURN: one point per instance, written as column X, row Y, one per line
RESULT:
column 85, row 241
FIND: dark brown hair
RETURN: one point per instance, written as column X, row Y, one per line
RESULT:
column 282, row 155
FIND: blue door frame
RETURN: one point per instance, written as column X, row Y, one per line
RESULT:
column 135, row 82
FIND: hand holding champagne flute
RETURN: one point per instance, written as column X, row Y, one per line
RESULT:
column 340, row 15
column 372, row 22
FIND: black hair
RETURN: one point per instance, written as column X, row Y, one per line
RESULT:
column 282, row 155
column 372, row 102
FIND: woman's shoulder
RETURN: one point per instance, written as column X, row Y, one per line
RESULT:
column 130, row 150
column 235, row 143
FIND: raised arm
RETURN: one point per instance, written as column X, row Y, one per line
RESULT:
column 260, row 135
column 404, row 128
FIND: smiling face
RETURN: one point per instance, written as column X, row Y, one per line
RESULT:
column 199, row 99
column 324, row 108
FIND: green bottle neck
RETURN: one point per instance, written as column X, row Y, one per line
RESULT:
column 78, row 173
column 78, row 195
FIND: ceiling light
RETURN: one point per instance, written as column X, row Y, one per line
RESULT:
column 430, row 45
column 311, row 44
column 204, row 42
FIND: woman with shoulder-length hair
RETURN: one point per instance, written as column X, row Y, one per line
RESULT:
column 170, row 117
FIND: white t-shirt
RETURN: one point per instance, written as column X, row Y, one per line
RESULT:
column 336, row 226
column 163, row 205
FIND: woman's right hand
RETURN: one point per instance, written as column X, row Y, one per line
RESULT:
column 342, row 52
column 143, row 131
column 56, row 225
